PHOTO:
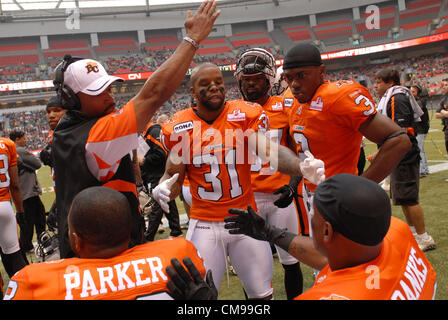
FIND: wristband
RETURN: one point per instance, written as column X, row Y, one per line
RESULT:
column 192, row 42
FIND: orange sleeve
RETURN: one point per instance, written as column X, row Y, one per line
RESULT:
column 110, row 139
column 353, row 104
column 12, row 150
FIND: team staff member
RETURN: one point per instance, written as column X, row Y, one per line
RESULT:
column 12, row 257
column 398, row 103
column 99, row 231
column 54, row 113
column 371, row 255
column 442, row 112
column 255, row 74
column 219, row 174
column 329, row 119
column 93, row 141
column 34, row 209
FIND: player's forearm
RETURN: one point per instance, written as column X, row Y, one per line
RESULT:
column 280, row 157
column 16, row 196
column 388, row 157
column 302, row 248
column 442, row 114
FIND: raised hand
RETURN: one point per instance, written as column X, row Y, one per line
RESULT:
column 199, row 25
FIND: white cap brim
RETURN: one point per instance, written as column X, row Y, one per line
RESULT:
column 99, row 85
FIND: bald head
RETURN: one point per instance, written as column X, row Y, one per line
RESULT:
column 197, row 70
column 101, row 217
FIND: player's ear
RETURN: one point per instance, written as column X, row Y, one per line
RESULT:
column 327, row 232
column 75, row 242
column 322, row 72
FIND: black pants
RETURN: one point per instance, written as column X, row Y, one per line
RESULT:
column 446, row 140
column 155, row 217
column 361, row 162
column 34, row 212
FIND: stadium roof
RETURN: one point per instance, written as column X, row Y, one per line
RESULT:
column 14, row 5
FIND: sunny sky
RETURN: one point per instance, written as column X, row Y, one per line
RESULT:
column 10, row 5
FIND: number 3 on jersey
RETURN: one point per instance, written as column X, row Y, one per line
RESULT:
column 302, row 144
column 212, row 176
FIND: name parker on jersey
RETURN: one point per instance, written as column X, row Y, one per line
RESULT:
column 121, row 276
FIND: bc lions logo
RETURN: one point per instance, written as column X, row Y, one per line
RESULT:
column 92, row 66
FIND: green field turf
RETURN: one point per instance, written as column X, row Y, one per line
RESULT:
column 433, row 198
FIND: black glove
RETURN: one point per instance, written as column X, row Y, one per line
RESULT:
column 248, row 222
column 20, row 217
column 185, row 287
column 288, row 192
column 45, row 156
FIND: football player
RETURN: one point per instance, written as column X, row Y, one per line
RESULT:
column 104, row 269
column 256, row 75
column 12, row 257
column 96, row 140
column 211, row 145
column 329, row 120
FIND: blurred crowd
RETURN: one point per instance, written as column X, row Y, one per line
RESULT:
column 426, row 71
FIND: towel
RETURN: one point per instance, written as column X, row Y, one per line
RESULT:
column 382, row 105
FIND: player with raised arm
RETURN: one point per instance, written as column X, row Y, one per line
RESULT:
column 96, row 140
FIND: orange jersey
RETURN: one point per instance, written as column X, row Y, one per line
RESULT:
column 8, row 158
column 264, row 178
column 328, row 126
column 137, row 273
column 400, row 272
column 110, row 139
column 216, row 157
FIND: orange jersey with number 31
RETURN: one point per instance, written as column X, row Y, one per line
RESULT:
column 216, row 156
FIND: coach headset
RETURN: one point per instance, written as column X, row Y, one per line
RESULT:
column 67, row 98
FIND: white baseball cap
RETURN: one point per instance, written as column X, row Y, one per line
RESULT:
column 88, row 76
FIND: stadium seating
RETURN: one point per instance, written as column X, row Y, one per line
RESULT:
column 116, row 46
column 300, row 33
column 251, row 39
column 18, row 47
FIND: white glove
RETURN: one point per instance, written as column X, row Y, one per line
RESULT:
column 162, row 192
column 312, row 169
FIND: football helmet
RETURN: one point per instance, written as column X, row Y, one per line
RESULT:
column 280, row 84
column 47, row 248
column 253, row 61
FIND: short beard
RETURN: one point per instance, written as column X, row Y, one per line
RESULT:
column 211, row 106
column 254, row 96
